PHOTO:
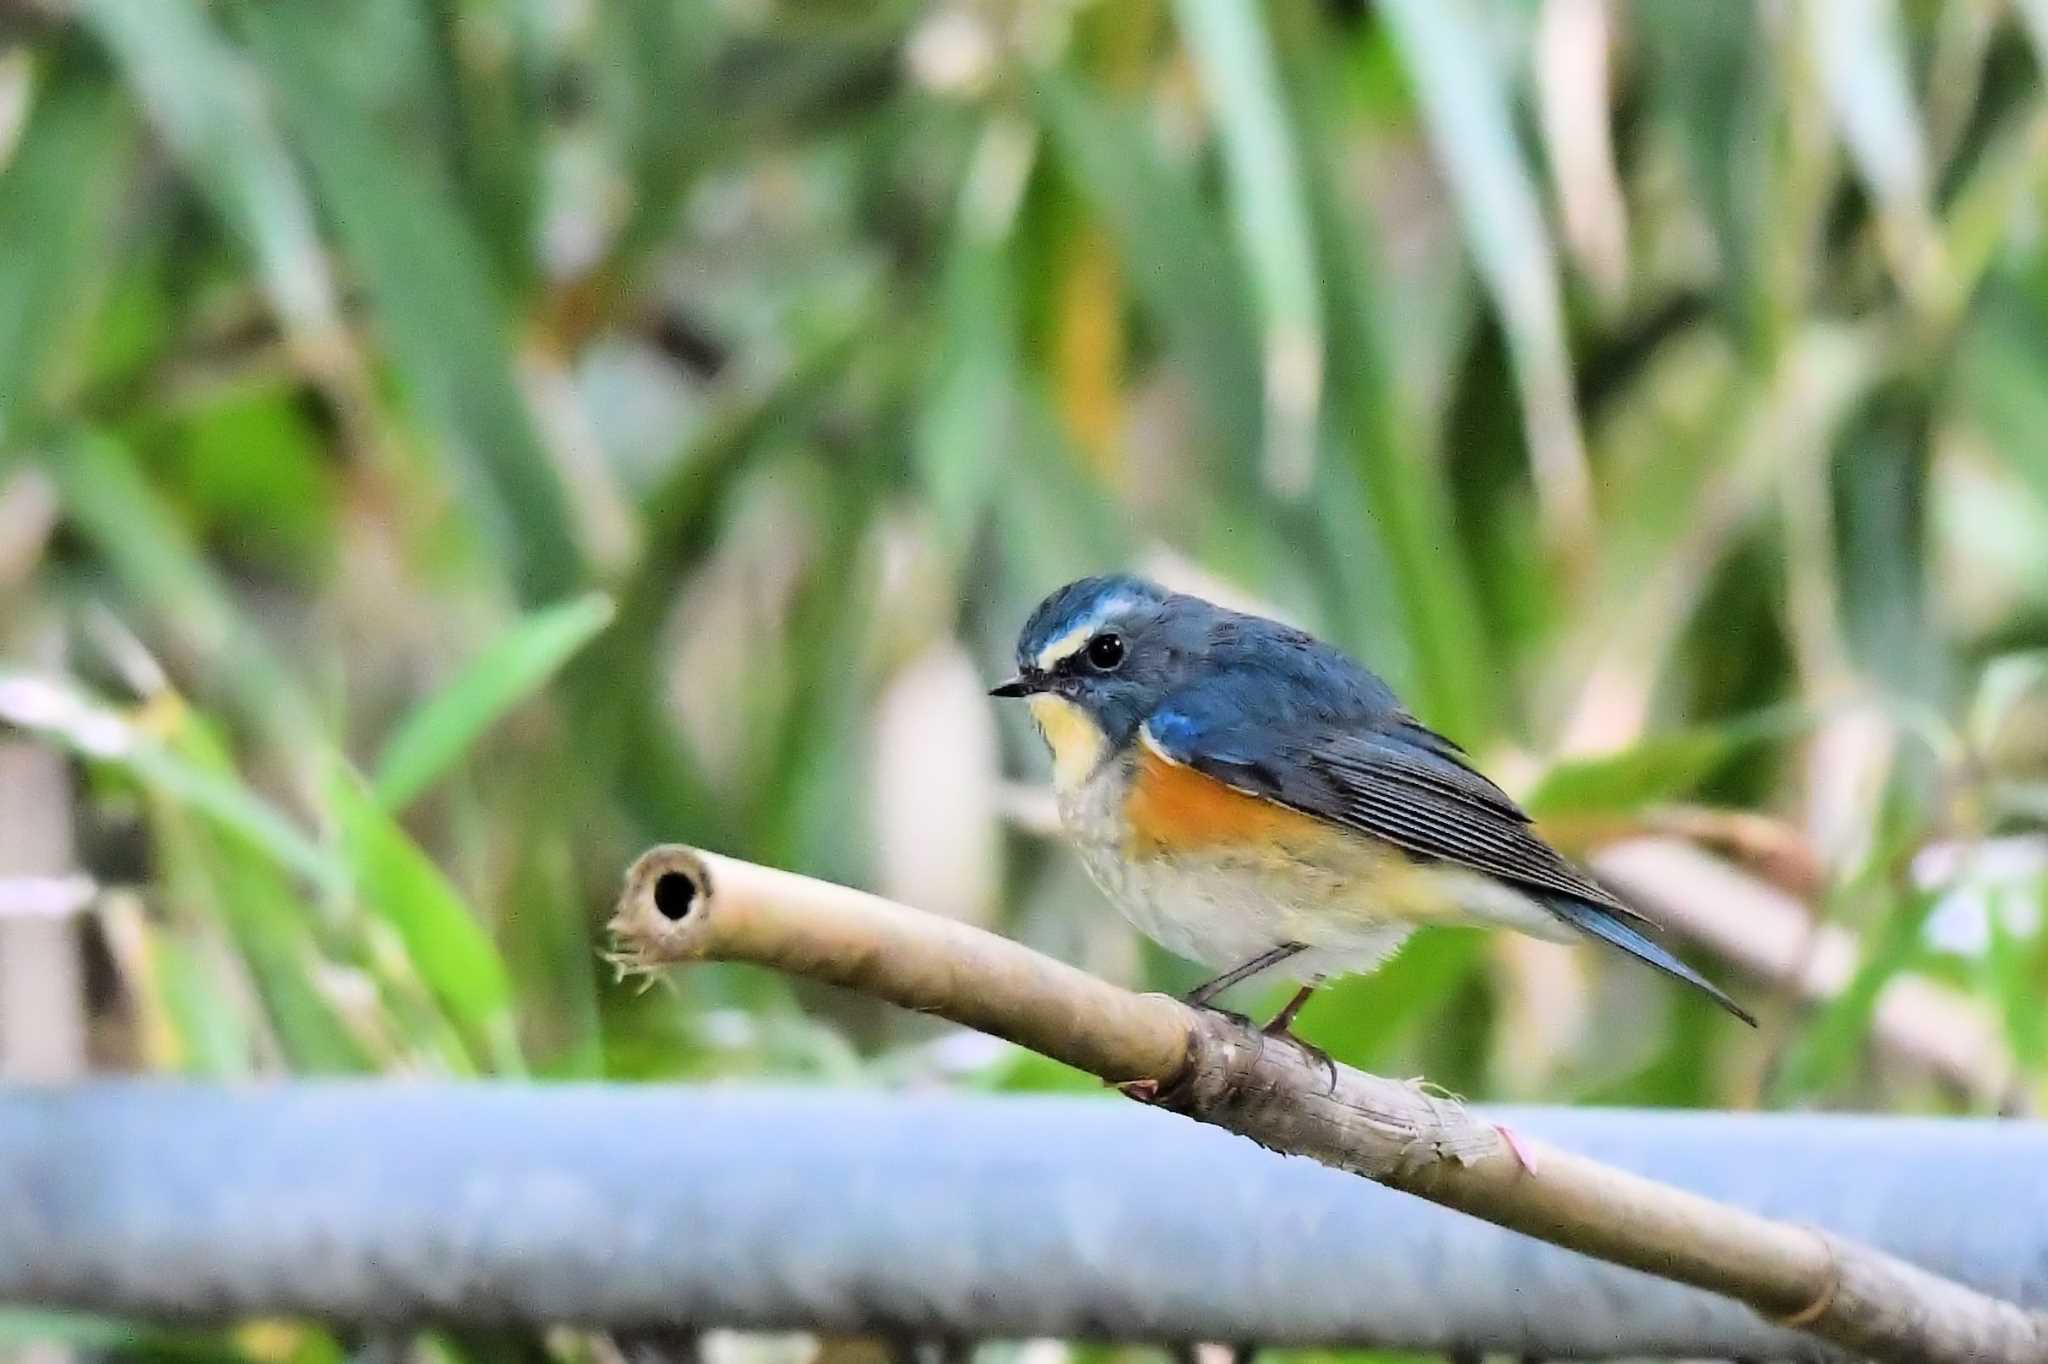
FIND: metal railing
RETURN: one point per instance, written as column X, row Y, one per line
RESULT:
column 918, row 1216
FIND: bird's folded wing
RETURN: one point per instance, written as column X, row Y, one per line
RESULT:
column 1400, row 783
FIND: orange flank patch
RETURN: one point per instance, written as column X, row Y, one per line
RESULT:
column 1173, row 808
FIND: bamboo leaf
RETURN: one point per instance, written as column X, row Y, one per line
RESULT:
column 1187, row 281
column 106, row 497
column 1182, row 274
column 65, row 715
column 1882, row 468
column 226, row 851
column 21, row 1327
column 1705, row 62
column 1830, row 1044
column 967, row 413
column 1665, row 767
column 1429, row 633
column 215, row 872
column 2033, row 16
column 56, row 205
column 208, row 105
column 1234, row 56
column 447, row 946
column 2000, row 380
column 1363, row 1019
column 1860, row 49
column 449, row 328
column 436, row 735
column 546, row 935
column 1464, row 94
column 213, row 1038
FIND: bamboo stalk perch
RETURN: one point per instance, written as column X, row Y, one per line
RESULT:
column 682, row 905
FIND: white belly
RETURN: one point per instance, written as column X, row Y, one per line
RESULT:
column 1223, row 909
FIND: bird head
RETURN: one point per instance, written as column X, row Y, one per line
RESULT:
column 1095, row 659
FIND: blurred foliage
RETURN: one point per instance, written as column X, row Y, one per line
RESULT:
column 455, row 443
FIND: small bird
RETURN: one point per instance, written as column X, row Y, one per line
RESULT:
column 1255, row 800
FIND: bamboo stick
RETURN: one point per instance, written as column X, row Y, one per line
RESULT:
column 681, row 905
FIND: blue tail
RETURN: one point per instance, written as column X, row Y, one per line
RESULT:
column 1603, row 925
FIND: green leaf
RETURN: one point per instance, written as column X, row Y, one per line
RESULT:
column 1431, row 602
column 1883, row 462
column 627, row 734
column 498, row 66
column 211, row 873
column 1234, row 56
column 441, row 730
column 1704, row 67
column 654, row 89
column 2013, row 971
column 106, row 497
column 448, row 947
column 1859, row 46
column 57, row 197
column 208, row 105
column 226, row 857
column 546, row 933
column 205, row 784
column 20, row 1326
column 213, row 1037
column 813, row 772
column 1465, row 95
column 1178, row 266
column 968, row 418
column 1663, row 767
column 221, row 797
column 2033, row 17
column 2000, row 379
column 448, row 326
column 1834, row 1037
column 1364, row 1017
column 1056, row 522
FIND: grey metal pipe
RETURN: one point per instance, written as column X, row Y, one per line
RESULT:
column 856, row 1212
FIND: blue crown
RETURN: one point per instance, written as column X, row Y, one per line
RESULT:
column 1076, row 602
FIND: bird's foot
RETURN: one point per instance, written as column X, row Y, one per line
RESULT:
column 1280, row 1028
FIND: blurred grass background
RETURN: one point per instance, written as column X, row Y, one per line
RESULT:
column 446, row 445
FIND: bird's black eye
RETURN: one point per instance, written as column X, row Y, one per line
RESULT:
column 1106, row 652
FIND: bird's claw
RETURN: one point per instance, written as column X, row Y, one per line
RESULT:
column 1277, row 1028
column 1309, row 1049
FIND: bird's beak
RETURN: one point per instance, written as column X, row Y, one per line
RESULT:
column 1023, row 684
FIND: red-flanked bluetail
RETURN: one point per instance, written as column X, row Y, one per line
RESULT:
column 1255, row 800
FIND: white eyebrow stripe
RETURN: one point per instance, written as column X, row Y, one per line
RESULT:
column 1070, row 643
column 1063, row 647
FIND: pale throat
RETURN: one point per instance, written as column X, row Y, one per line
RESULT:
column 1077, row 742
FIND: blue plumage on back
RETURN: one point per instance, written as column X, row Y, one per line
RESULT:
column 1278, row 714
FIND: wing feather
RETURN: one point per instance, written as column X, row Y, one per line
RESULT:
column 1400, row 783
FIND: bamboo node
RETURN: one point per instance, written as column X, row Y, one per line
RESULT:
column 1830, row 1286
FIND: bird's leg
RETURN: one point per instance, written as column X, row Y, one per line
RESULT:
column 1199, row 997
column 1283, row 1026
column 1283, row 1022
column 1145, row 1091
